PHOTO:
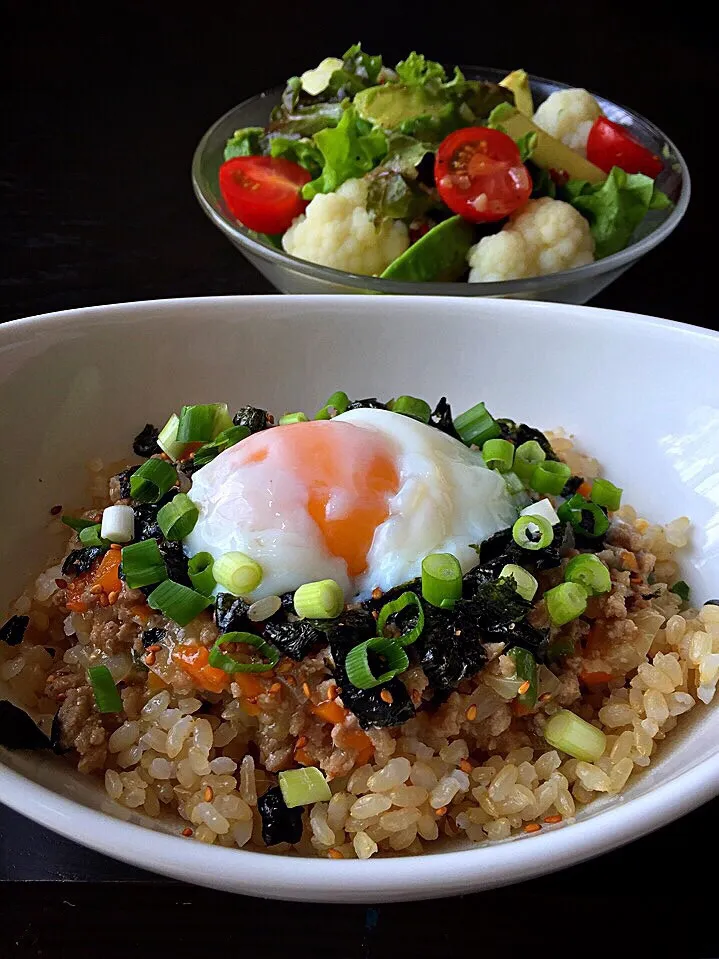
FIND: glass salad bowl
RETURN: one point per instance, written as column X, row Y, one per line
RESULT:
column 292, row 275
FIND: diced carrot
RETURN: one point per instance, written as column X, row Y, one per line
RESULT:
column 597, row 641
column 584, row 489
column 330, row 712
column 252, row 709
column 249, row 683
column 142, row 611
column 356, row 739
column 304, row 758
column 595, row 679
column 629, row 561
column 155, row 682
column 75, row 588
column 194, row 660
column 364, row 755
column 106, row 573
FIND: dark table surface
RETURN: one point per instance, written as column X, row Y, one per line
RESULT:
column 100, row 116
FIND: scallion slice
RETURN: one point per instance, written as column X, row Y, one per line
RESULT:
column 681, row 589
column 199, row 569
column 413, row 407
column 107, row 697
column 152, row 480
column 203, row 422
column 498, row 455
column 590, row 572
column 228, row 664
column 143, row 564
column 179, row 603
column 396, row 606
column 550, row 477
column 565, row 602
column 359, row 671
column 77, row 524
column 476, row 426
column 237, row 573
column 223, row 441
column 586, row 518
column 532, row 532
column 606, row 494
column 167, row 438
column 321, row 600
column 289, row 418
column 526, row 666
column 336, row 404
column 525, row 584
column 527, row 457
column 178, row 517
column 575, row 737
column 441, row 579
column 90, row 536
column 300, row 787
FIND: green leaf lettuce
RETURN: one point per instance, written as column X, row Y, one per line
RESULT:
column 351, row 149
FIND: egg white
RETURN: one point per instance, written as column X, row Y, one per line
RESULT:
column 447, row 499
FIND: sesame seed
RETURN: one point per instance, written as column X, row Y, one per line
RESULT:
column 386, row 696
column 103, row 599
column 208, row 794
column 332, row 693
column 96, row 590
column 532, row 827
column 524, row 688
column 545, row 697
column 113, row 597
column 187, row 831
column 552, row 819
column 55, row 510
column 441, row 811
column 285, row 667
column 155, row 648
column 61, row 583
column 150, row 658
column 465, row 766
column 275, row 687
column 306, row 689
column 334, row 854
column 291, row 681
column 471, row 713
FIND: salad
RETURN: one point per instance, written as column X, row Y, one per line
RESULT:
column 411, row 174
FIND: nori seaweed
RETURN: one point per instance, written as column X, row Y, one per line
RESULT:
column 145, row 443
column 279, row 824
column 251, row 417
column 295, row 640
column 13, row 630
column 231, row 614
column 82, row 560
column 154, row 636
column 442, row 420
column 18, row 731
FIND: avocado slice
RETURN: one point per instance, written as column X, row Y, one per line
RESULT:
column 391, row 104
column 549, row 153
column 441, row 254
column 518, row 82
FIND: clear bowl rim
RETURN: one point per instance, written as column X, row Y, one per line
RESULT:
column 373, row 284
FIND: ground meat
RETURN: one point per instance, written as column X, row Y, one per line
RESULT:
column 568, row 691
column 81, row 728
column 624, row 536
column 58, row 683
column 614, row 605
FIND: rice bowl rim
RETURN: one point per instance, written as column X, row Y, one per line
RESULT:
column 307, row 879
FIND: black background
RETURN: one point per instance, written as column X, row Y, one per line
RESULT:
column 102, row 107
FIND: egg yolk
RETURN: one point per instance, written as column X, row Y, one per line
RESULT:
column 349, row 474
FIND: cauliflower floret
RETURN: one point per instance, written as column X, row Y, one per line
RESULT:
column 336, row 230
column 568, row 115
column 545, row 236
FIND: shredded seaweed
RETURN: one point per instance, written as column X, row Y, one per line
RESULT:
column 572, row 485
column 56, row 732
column 13, row 631
column 369, row 706
column 153, row 637
column 253, row 418
column 295, row 640
column 18, row 731
column 441, row 418
column 145, row 443
column 353, row 627
column 123, row 481
column 231, row 613
column 279, row 824
column 371, row 403
column 82, row 560
column 450, row 647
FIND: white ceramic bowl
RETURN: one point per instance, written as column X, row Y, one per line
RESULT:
column 641, row 393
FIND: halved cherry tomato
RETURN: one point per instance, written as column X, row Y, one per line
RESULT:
column 480, row 175
column 264, row 192
column 610, row 144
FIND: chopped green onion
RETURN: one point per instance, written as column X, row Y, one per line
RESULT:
column 179, row 603
column 77, row 524
column 606, row 494
column 565, row 602
column 203, row 422
column 532, row 532
column 476, row 426
column 586, row 518
column 590, row 572
column 237, row 573
column 178, row 517
column 223, row 441
column 228, row 664
column 413, row 407
column 338, row 402
column 321, row 600
column 526, row 584
column 107, row 697
column 513, row 483
column 359, row 671
column 90, row 536
column 152, row 480
column 290, row 418
column 143, row 564
column 167, row 438
column 575, row 737
column 498, row 455
column 550, row 477
column 300, row 787
column 526, row 666
column 396, row 606
column 681, row 589
column 199, row 569
column 441, row 579
column 527, row 457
